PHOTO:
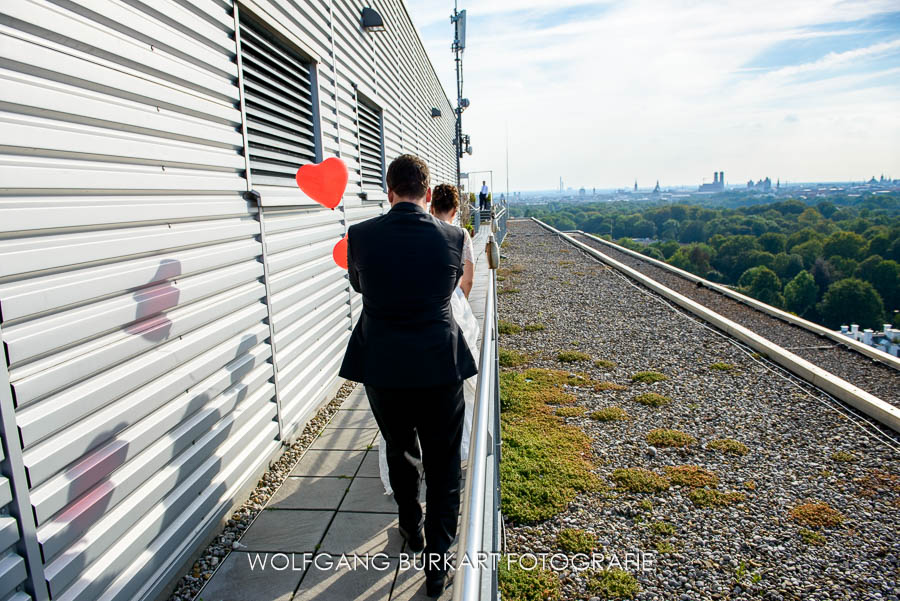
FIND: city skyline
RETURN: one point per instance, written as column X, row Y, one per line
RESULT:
column 606, row 93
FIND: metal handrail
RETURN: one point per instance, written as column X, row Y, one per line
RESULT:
column 468, row 580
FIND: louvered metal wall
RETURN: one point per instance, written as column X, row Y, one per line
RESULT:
column 280, row 105
column 159, row 330
column 371, row 145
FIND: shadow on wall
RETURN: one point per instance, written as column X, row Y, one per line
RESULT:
column 152, row 303
column 193, row 442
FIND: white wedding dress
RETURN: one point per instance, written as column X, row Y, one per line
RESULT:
column 462, row 313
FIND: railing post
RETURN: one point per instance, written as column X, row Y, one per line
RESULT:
column 482, row 449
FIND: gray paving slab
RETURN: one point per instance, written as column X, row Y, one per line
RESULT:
column 356, row 401
column 352, row 419
column 287, row 530
column 310, row 493
column 369, row 467
column 236, row 580
column 350, row 439
column 367, row 494
column 410, row 586
column 330, row 463
column 362, row 533
column 349, row 585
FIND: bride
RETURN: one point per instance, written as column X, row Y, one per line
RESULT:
column 444, row 206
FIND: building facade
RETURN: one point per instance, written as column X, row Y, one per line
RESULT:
column 165, row 331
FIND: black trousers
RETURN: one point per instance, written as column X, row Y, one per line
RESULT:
column 435, row 415
column 482, row 201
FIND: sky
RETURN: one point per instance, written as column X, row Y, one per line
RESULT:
column 606, row 93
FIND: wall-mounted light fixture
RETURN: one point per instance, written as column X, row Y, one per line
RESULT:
column 435, row 112
column 372, row 21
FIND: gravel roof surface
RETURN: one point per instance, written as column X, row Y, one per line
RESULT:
column 752, row 549
column 876, row 378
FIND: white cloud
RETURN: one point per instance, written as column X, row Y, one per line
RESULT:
column 657, row 90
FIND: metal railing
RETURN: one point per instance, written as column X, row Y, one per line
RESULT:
column 481, row 523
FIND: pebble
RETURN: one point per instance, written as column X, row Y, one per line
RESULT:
column 791, row 429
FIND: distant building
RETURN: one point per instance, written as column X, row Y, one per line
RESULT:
column 582, row 191
column 656, row 189
column 717, row 185
column 763, row 185
column 887, row 340
column 635, row 185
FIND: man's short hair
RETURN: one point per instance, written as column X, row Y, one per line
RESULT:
column 444, row 198
column 408, row 176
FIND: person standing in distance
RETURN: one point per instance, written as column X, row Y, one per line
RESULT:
column 411, row 355
column 483, row 202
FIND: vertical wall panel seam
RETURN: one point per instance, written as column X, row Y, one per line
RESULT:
column 261, row 216
column 337, row 118
column 21, row 504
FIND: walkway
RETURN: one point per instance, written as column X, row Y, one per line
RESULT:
column 332, row 503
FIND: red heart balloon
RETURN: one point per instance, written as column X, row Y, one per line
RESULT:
column 325, row 183
column 340, row 253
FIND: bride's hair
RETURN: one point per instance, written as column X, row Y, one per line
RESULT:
column 444, row 198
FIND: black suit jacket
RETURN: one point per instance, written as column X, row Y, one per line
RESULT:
column 406, row 264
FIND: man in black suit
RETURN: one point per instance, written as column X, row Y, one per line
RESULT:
column 411, row 355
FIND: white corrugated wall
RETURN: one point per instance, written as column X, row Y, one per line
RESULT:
column 137, row 283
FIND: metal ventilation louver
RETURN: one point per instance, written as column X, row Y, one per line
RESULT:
column 371, row 147
column 278, row 99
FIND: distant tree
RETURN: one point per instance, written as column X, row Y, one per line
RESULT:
column 789, row 207
column 643, row 229
column 851, row 300
column 842, row 267
column 823, row 274
column 810, row 217
column 716, row 241
column 692, row 231
column 800, row 294
column 681, row 261
column 809, row 250
column 858, row 225
column 868, row 269
column 561, row 222
column 630, row 244
column 826, row 208
column 879, row 244
column 652, row 251
column 773, row 242
column 762, row 284
column 849, row 245
column 787, row 266
column 733, row 256
column 893, row 252
column 755, row 258
column 679, row 212
column 669, row 230
column 597, row 225
column 668, row 248
column 699, row 256
column 884, row 277
column 804, row 235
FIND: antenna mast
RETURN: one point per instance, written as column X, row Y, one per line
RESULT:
column 458, row 18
